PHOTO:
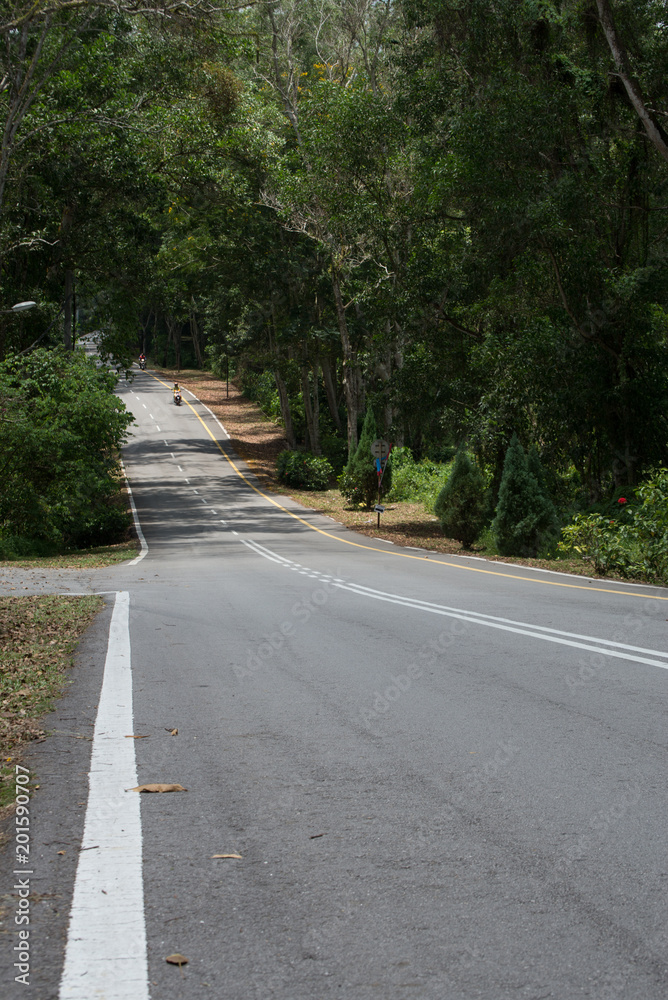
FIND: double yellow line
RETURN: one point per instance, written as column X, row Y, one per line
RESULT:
column 406, row 555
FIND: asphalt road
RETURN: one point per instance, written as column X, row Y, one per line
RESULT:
column 445, row 777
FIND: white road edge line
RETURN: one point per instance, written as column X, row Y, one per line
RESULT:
column 135, row 515
column 106, row 940
column 591, row 643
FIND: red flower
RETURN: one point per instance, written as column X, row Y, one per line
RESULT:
column 622, row 500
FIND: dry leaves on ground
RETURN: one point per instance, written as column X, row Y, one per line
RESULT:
column 157, row 787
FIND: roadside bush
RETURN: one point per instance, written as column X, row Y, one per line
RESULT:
column 60, row 430
column 526, row 521
column 417, row 481
column 261, row 388
column 461, row 504
column 359, row 482
column 635, row 543
column 303, row 470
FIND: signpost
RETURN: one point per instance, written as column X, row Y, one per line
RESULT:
column 380, row 450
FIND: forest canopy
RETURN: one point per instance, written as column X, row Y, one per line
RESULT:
column 449, row 211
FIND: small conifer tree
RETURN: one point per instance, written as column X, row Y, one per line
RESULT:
column 525, row 518
column 461, row 504
column 359, row 482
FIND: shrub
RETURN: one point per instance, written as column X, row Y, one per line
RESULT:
column 635, row 543
column 60, row 430
column 261, row 388
column 525, row 521
column 303, row 470
column 461, row 503
column 359, row 482
column 418, row 481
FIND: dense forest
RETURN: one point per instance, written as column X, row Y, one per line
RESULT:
column 448, row 212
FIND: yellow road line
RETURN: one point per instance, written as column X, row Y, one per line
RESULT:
column 407, row 555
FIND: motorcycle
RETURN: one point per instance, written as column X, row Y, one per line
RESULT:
column 142, row 364
column 177, row 398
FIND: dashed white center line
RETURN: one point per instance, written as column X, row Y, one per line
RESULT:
column 178, row 466
column 214, row 511
column 145, row 406
column 234, row 532
column 223, row 522
column 160, row 432
column 194, row 490
column 187, row 480
column 151, row 416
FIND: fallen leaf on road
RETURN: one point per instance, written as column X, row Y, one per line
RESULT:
column 138, row 737
column 172, row 732
column 227, row 856
column 61, row 852
column 158, row 788
column 177, row 960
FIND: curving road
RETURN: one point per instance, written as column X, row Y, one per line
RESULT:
column 445, row 777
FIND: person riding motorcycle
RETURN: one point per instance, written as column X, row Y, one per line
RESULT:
column 177, row 393
column 142, row 360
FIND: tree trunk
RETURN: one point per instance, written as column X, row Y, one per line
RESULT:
column 330, row 391
column 655, row 133
column 69, row 311
column 311, row 409
column 285, row 410
column 194, row 332
column 350, row 370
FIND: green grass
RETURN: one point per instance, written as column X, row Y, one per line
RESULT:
column 105, row 555
column 38, row 636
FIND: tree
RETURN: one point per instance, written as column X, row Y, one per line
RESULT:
column 461, row 506
column 525, row 519
column 359, row 482
column 60, row 430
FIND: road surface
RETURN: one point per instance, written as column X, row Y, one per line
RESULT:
column 445, row 778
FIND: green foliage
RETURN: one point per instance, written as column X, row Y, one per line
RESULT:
column 359, row 482
column 461, row 505
column 60, row 430
column 525, row 521
column 420, row 482
column 634, row 544
column 261, row 388
column 303, row 470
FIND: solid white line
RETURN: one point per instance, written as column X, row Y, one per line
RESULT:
column 106, row 941
column 605, row 647
column 135, row 515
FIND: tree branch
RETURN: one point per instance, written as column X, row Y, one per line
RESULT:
column 655, row 133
